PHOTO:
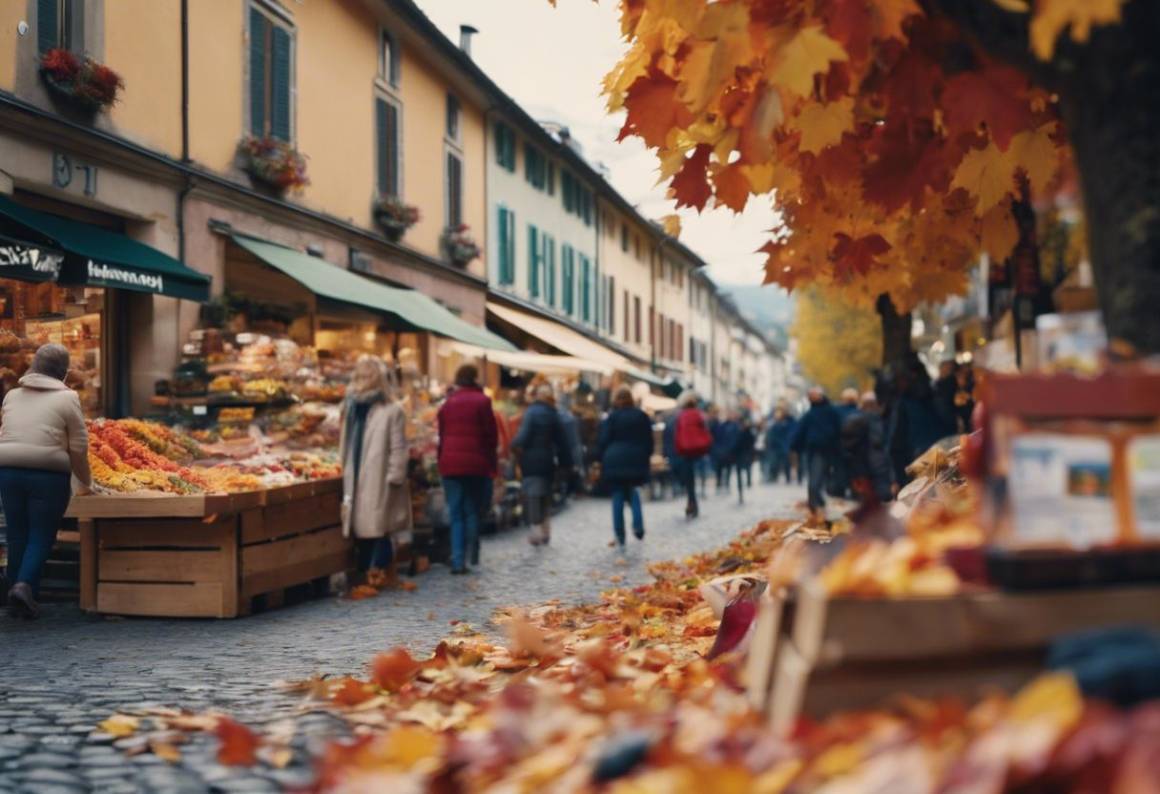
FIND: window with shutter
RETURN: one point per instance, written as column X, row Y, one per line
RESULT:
column 550, row 270
column 271, row 83
column 505, row 146
column 568, row 279
column 501, row 252
column 259, row 42
column 47, row 25
column 388, row 58
column 387, row 123
column 452, row 128
column 611, row 293
column 636, row 328
column 280, row 69
column 454, row 190
column 585, row 289
column 533, row 261
column 626, row 317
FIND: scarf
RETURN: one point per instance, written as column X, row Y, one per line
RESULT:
column 358, row 407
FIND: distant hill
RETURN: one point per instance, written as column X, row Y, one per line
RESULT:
column 770, row 308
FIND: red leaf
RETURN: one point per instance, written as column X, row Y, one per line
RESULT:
column 732, row 187
column 653, row 110
column 238, row 743
column 857, row 256
column 995, row 96
column 910, row 87
column 393, row 669
column 849, row 22
column 910, row 158
column 690, row 186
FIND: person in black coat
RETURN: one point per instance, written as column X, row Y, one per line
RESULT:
column 864, row 446
column 625, row 445
column 744, row 451
column 543, row 448
column 818, row 437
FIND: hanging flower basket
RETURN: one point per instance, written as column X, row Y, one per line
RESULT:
column 395, row 216
column 79, row 80
column 460, row 246
column 273, row 163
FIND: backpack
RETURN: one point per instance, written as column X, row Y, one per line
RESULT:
column 692, row 438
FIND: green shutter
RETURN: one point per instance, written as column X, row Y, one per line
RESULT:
column 502, row 252
column 533, row 262
column 47, row 25
column 550, row 270
column 280, row 63
column 258, row 33
column 387, row 134
column 511, row 244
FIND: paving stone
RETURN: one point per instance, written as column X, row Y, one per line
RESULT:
column 53, row 776
column 52, row 788
column 46, row 761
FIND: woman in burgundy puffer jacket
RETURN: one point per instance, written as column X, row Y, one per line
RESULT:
column 467, row 460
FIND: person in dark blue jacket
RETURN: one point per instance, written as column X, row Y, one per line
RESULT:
column 726, row 435
column 625, row 445
column 743, row 454
column 864, row 447
column 543, row 449
column 777, row 438
column 915, row 423
column 839, row 475
column 818, row 437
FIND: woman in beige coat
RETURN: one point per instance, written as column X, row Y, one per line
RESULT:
column 376, row 501
column 43, row 441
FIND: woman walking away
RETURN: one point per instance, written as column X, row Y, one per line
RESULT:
column 743, row 454
column 376, row 503
column 42, row 440
column 625, row 445
column 543, row 450
column 693, row 442
column 467, row 460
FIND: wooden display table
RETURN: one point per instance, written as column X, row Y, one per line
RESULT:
column 207, row 555
column 814, row 655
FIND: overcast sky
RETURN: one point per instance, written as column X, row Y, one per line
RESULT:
column 552, row 61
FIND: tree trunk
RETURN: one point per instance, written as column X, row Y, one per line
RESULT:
column 895, row 332
column 1107, row 91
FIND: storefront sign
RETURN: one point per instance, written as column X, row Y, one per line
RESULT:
column 31, row 261
column 112, row 276
column 66, row 172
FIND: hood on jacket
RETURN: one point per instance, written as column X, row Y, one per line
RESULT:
column 35, row 380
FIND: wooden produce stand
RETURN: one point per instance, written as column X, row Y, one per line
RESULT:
column 207, row 555
column 815, row 655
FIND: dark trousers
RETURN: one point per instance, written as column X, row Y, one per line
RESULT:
column 685, row 471
column 465, row 505
column 818, row 464
column 724, row 474
column 34, row 504
column 779, row 465
column 374, row 552
column 622, row 495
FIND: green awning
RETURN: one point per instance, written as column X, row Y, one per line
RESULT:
column 412, row 309
column 99, row 258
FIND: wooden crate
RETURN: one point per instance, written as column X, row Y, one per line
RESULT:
column 814, row 655
column 161, row 561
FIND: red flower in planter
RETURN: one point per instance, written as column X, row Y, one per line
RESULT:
column 89, row 84
column 60, row 65
column 273, row 162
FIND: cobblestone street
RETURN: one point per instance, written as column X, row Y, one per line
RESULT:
column 62, row 675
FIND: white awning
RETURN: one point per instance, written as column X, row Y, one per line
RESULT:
column 562, row 338
column 528, row 361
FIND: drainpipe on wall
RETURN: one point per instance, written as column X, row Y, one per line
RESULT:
column 188, row 180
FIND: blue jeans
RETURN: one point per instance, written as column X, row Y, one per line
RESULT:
column 465, row 505
column 34, row 504
column 375, row 552
column 620, row 495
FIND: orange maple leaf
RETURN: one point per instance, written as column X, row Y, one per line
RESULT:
column 691, row 184
column 351, row 693
column 857, row 255
column 653, row 110
column 731, row 186
column 239, row 744
column 393, row 669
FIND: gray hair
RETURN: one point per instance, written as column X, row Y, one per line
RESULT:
column 688, row 399
column 51, row 360
column 545, row 393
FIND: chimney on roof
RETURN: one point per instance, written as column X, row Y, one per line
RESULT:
column 465, row 34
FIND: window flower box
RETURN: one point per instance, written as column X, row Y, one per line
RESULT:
column 394, row 216
column 79, row 80
column 459, row 245
column 273, row 163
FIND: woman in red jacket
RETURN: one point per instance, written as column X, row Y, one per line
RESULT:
column 467, row 460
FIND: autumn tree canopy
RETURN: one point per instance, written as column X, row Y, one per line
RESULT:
column 893, row 142
column 839, row 344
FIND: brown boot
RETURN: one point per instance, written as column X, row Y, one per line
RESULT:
column 21, row 602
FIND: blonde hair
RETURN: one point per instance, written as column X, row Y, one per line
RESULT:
column 369, row 376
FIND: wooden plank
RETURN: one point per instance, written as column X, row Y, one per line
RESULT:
column 763, row 647
column 88, row 587
column 192, row 565
column 313, row 512
column 871, row 629
column 327, row 485
column 167, row 532
column 272, row 566
column 137, row 506
column 68, row 536
column 288, row 493
column 202, row 600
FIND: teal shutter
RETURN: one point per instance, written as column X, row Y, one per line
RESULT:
column 585, row 290
column 566, row 297
column 259, row 30
column 533, row 261
column 47, row 25
column 511, row 244
column 454, row 190
column 550, row 270
column 503, row 245
column 280, row 63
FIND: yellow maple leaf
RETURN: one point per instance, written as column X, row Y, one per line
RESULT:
column 632, row 66
column 1000, row 233
column 822, row 125
column 1035, row 153
column 120, row 725
column 809, row 52
column 1052, row 17
column 1053, row 697
column 722, row 44
column 987, row 175
column 672, row 225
